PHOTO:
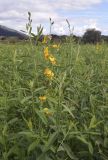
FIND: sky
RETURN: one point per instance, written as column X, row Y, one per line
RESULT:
column 81, row 14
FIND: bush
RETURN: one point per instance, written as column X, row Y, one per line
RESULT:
column 91, row 36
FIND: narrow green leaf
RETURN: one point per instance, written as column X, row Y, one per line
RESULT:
column 41, row 116
column 13, row 150
column 92, row 122
column 82, row 138
column 90, row 148
column 2, row 141
column 47, row 146
column 25, row 99
column 69, row 151
column 33, row 145
column 28, row 134
column 68, row 110
column 51, row 140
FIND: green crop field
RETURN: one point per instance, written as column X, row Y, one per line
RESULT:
column 53, row 107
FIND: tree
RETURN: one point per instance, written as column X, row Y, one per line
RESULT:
column 91, row 36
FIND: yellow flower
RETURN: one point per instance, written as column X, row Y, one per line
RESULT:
column 55, row 46
column 46, row 53
column 45, row 40
column 48, row 73
column 42, row 98
column 47, row 112
column 52, row 59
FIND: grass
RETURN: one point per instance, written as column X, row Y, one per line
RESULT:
column 76, row 124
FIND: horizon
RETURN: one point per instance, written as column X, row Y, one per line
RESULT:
column 23, row 32
column 80, row 13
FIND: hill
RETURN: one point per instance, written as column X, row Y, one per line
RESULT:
column 8, row 32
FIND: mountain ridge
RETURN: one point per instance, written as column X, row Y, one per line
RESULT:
column 9, row 32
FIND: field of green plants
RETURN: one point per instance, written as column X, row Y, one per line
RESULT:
column 53, row 102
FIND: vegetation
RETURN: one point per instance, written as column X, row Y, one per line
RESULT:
column 60, row 113
column 92, row 36
column 53, row 100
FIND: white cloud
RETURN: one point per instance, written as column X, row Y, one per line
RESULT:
column 13, row 13
column 76, row 4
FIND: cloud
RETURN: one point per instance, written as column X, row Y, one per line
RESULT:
column 76, row 4
column 14, row 13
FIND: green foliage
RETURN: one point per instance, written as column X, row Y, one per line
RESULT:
column 91, row 36
column 77, row 97
column 33, row 37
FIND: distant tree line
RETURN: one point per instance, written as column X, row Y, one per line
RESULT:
column 91, row 36
column 94, row 36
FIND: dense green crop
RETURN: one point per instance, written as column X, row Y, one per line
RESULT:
column 60, row 118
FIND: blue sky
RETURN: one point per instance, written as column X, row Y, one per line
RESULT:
column 82, row 14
